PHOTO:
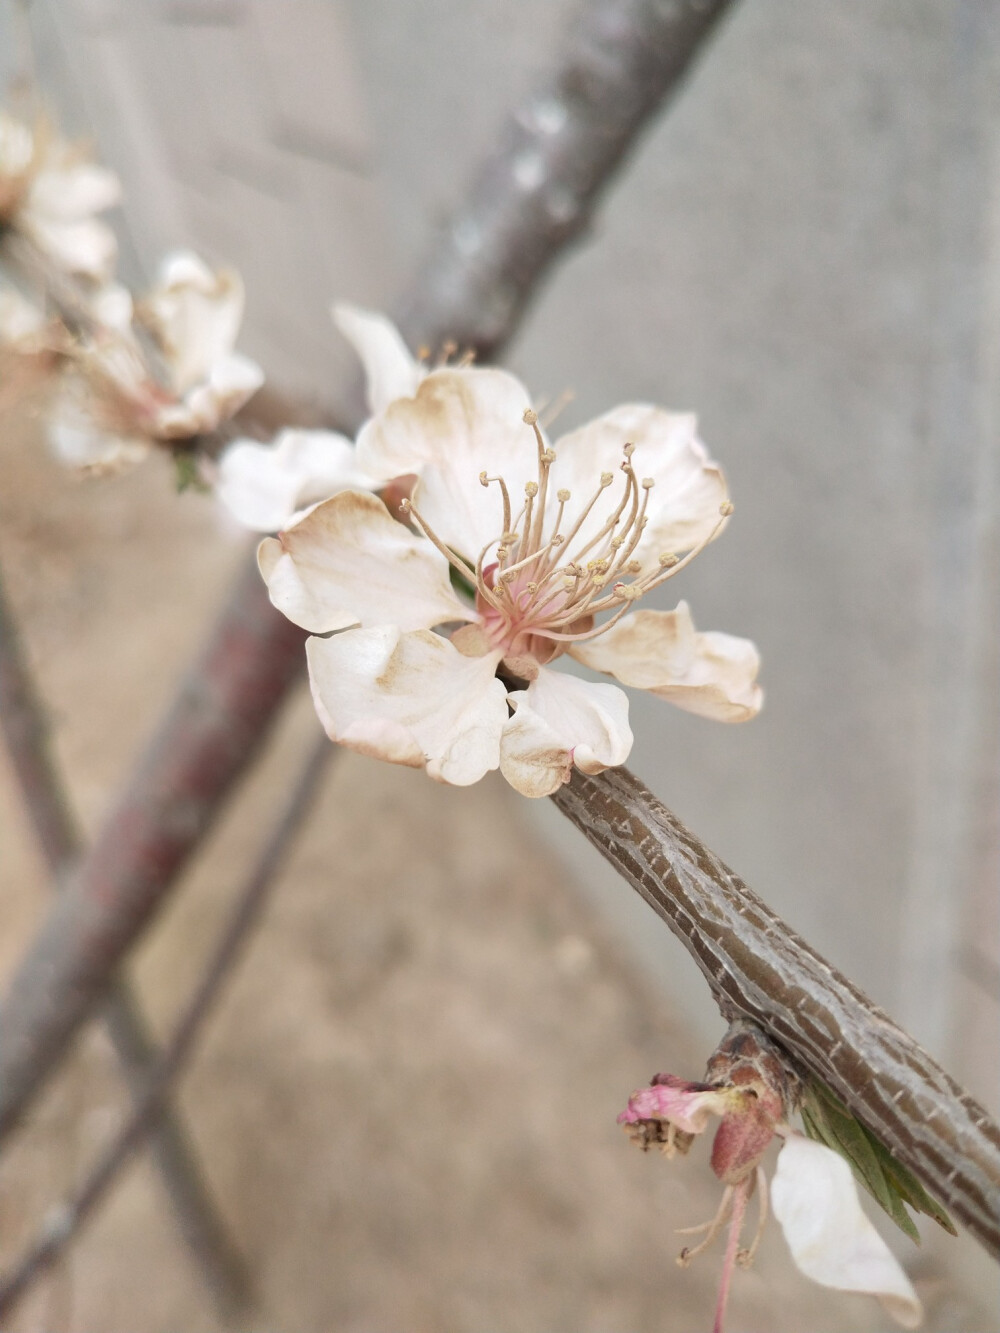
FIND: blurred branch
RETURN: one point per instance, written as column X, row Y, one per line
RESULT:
column 65, row 1221
column 618, row 64
column 759, row 969
column 25, row 732
column 209, row 737
column 611, row 76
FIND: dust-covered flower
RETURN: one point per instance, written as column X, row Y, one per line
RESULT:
column 51, row 193
column 161, row 372
column 515, row 553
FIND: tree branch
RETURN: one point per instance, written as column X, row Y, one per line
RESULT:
column 619, row 63
column 207, row 740
column 65, row 1221
column 23, row 723
column 625, row 54
column 759, row 969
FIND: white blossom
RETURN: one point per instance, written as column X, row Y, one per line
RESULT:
column 550, row 548
column 51, row 193
column 165, row 371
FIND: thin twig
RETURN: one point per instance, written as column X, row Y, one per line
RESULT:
column 536, row 194
column 66, row 1220
column 145, row 842
column 25, row 731
column 759, row 969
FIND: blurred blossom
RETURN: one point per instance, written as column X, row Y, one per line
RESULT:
column 516, row 553
column 164, row 371
column 51, row 194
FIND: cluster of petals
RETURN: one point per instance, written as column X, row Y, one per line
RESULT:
column 813, row 1193
column 161, row 372
column 52, row 194
column 435, row 633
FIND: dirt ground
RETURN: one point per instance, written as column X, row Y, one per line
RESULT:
column 406, row 1100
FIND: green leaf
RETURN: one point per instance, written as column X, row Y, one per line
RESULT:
column 826, row 1119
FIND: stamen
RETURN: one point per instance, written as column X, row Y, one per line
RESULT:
column 456, row 561
column 485, row 480
column 712, row 1228
column 746, row 1257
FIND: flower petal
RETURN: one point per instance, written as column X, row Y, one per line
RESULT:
column 195, row 315
column 459, row 424
column 410, row 699
column 561, row 721
column 390, row 370
column 831, row 1240
column 70, row 193
column 86, row 246
column 230, row 382
column 349, row 562
column 678, row 1102
column 264, row 485
column 684, row 502
column 710, row 673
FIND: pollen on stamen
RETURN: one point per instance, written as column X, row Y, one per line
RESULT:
column 531, row 489
column 530, row 416
column 629, row 449
column 668, row 560
column 562, row 495
column 648, row 483
column 484, row 478
column 405, row 505
column 627, row 592
column 726, row 508
column 606, row 479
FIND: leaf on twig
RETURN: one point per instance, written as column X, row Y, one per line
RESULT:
column 826, row 1119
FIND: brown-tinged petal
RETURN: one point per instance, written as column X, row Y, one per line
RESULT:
column 561, row 721
column 349, row 562
column 410, row 699
column 709, row 673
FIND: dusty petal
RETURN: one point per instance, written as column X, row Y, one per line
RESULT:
column 561, row 721
column 231, row 381
column 410, row 699
column 831, row 1239
column 86, row 246
column 459, row 424
column 264, row 485
column 712, row 674
column 689, row 1106
column 75, row 191
column 683, row 505
column 391, row 372
column 195, row 315
column 349, row 562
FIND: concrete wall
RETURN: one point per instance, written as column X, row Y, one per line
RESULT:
column 805, row 250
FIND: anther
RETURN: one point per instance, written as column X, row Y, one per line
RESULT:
column 627, row 592
column 633, row 567
column 483, row 479
column 606, row 479
column 629, row 450
column 405, row 506
column 562, row 495
column 548, row 456
column 531, row 489
column 530, row 416
column 648, row 483
column 668, row 560
column 726, row 509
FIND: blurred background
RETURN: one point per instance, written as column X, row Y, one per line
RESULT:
column 407, row 1103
